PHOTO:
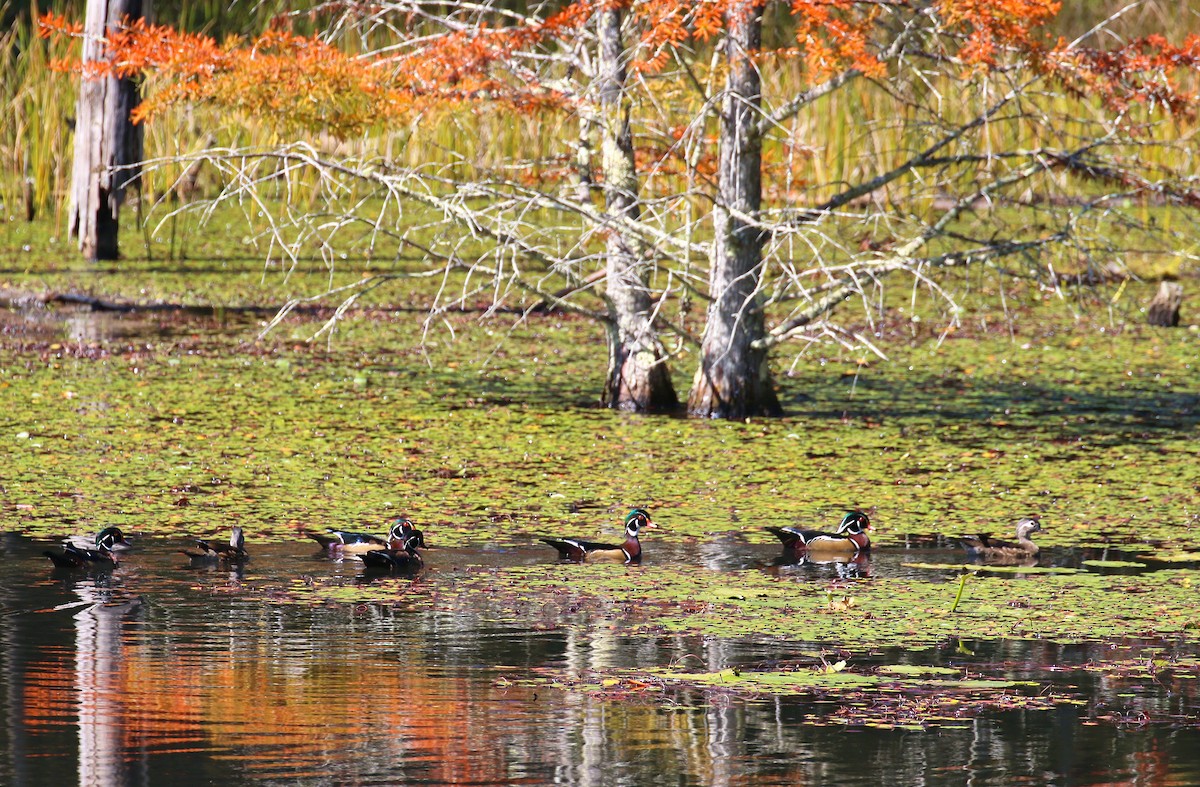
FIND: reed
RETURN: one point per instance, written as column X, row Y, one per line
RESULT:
column 37, row 107
column 843, row 138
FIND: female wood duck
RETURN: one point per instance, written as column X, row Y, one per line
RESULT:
column 984, row 547
column 82, row 557
column 233, row 552
column 629, row 552
column 849, row 539
column 400, row 556
column 110, row 538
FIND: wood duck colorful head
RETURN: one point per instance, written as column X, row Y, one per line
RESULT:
column 405, row 531
column 110, row 538
column 850, row 538
column 578, row 550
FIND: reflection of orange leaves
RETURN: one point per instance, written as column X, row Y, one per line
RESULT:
column 304, row 710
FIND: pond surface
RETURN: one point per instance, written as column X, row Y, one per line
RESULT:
column 498, row 665
column 161, row 673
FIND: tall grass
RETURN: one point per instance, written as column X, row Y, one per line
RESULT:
column 842, row 138
column 37, row 106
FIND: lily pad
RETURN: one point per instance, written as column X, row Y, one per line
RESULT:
column 1115, row 566
column 978, row 568
column 916, row 669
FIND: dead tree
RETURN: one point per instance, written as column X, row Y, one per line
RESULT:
column 108, row 146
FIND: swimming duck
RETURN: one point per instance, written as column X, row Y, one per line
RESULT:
column 590, row 551
column 77, row 557
column 984, row 547
column 110, row 538
column 401, row 555
column 850, row 538
column 348, row 542
column 356, row 543
column 233, row 552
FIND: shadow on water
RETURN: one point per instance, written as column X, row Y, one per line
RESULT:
column 992, row 408
column 158, row 672
column 1011, row 408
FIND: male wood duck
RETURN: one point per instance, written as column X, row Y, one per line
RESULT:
column 357, row 543
column 400, row 556
column 849, row 539
column 80, row 557
column 590, row 551
column 233, row 552
column 348, row 542
column 984, row 547
column 110, row 538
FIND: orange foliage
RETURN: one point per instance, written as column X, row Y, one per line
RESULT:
column 832, row 38
column 301, row 82
column 993, row 25
column 1143, row 71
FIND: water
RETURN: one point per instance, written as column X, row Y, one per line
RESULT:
column 158, row 673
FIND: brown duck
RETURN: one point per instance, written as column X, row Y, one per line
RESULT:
column 986, row 548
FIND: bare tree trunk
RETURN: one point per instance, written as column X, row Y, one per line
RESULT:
column 734, row 379
column 106, row 142
column 638, row 377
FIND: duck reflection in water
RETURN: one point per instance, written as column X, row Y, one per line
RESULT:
column 845, row 567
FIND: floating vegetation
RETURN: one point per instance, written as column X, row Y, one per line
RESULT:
column 890, row 697
column 658, row 600
column 985, row 569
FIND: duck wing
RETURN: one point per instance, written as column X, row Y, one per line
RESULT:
column 577, row 549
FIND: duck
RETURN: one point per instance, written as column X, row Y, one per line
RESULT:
column 983, row 547
column 401, row 555
column 352, row 543
column 849, row 539
column 580, row 551
column 233, row 552
column 110, row 538
column 348, row 542
column 80, row 557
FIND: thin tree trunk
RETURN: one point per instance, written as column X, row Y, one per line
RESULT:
column 107, row 144
column 638, row 377
column 734, row 379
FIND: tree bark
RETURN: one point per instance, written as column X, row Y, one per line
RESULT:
column 108, row 146
column 638, row 377
column 734, row 378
